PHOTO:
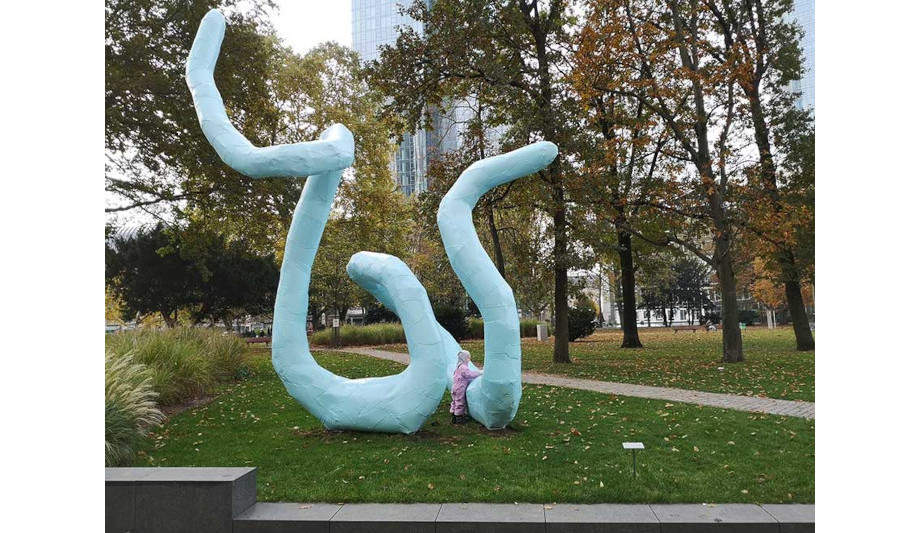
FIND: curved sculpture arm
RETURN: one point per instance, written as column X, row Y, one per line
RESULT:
column 399, row 403
column 396, row 404
column 494, row 397
column 391, row 282
column 334, row 152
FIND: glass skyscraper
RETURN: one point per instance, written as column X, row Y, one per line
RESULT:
column 804, row 13
column 374, row 24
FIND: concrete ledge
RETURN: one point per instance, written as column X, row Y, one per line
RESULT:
column 385, row 518
column 793, row 518
column 601, row 518
column 224, row 500
column 726, row 517
column 491, row 518
column 177, row 499
column 286, row 518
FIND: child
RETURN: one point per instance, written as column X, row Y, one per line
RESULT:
column 463, row 375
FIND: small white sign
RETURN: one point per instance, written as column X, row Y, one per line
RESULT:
column 633, row 446
column 335, row 322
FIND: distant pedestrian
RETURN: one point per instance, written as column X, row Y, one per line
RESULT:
column 463, row 375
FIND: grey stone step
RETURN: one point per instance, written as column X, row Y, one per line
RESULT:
column 224, row 500
column 601, row 518
column 286, row 518
column 385, row 518
column 491, row 518
column 199, row 500
column 726, row 517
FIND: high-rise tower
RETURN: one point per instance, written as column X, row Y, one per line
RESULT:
column 804, row 13
column 374, row 23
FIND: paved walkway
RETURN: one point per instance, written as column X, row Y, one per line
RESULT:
column 751, row 404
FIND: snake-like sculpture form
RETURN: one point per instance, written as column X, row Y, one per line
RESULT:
column 399, row 403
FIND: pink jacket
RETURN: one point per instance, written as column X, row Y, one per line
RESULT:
column 463, row 375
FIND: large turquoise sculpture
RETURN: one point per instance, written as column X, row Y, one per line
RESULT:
column 403, row 402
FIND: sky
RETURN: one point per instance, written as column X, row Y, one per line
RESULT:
column 304, row 24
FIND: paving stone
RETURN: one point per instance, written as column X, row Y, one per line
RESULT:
column 601, row 518
column 385, row 518
column 491, row 518
column 793, row 518
column 721, row 518
column 286, row 518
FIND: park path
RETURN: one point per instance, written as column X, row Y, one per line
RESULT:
column 753, row 404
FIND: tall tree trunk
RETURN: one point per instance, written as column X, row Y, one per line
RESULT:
column 628, row 318
column 786, row 255
column 732, row 351
column 804, row 341
column 496, row 244
column 561, row 274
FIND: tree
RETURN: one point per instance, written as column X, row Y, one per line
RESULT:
column 148, row 274
column 167, row 269
column 509, row 55
column 157, row 158
column 232, row 281
column 665, row 64
column 331, row 290
column 620, row 159
column 760, row 43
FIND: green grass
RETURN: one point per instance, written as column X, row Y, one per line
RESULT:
column 684, row 360
column 562, row 445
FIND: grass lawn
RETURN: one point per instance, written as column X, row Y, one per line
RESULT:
column 684, row 360
column 564, row 446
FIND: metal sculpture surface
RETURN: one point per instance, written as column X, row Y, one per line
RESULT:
column 403, row 402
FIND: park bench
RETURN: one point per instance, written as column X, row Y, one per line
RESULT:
column 258, row 340
column 687, row 328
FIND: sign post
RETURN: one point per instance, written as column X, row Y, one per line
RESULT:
column 634, row 446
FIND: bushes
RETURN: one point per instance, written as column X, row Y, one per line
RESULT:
column 581, row 321
column 130, row 407
column 528, row 328
column 749, row 316
column 361, row 335
column 184, row 362
column 453, row 320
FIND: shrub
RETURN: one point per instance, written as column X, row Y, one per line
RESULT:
column 373, row 334
column 453, row 320
column 476, row 328
column 183, row 362
column 749, row 316
column 528, row 328
column 581, row 321
column 130, row 407
column 378, row 313
column 712, row 318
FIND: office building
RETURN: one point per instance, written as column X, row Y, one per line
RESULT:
column 374, row 23
column 804, row 13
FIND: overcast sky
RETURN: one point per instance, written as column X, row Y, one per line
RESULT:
column 304, row 24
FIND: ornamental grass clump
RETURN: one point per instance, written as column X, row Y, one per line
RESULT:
column 184, row 362
column 130, row 407
column 528, row 328
column 371, row 335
